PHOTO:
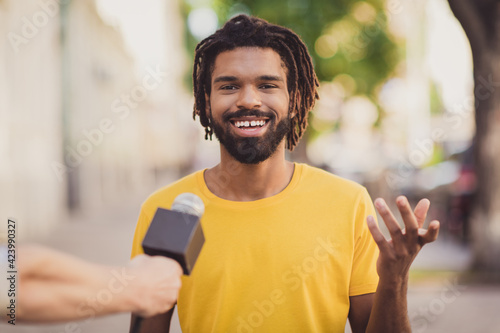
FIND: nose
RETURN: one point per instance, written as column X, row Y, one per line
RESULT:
column 249, row 98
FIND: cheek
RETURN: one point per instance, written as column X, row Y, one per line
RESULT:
column 221, row 104
column 279, row 103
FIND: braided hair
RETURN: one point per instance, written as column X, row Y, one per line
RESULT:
column 247, row 31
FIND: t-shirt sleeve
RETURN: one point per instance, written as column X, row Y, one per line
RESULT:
column 364, row 277
column 140, row 231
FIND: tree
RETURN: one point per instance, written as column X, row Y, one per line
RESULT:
column 360, row 44
column 480, row 20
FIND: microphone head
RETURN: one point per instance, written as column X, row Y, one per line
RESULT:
column 189, row 203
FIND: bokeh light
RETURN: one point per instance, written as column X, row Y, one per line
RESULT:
column 202, row 22
column 363, row 12
column 326, row 46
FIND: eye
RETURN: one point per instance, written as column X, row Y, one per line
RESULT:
column 228, row 87
column 267, row 86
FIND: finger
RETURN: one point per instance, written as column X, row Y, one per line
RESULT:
column 377, row 235
column 421, row 211
column 177, row 268
column 431, row 234
column 169, row 265
column 409, row 219
column 391, row 223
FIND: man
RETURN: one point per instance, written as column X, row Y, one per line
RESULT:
column 289, row 248
column 57, row 287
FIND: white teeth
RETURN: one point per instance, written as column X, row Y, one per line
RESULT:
column 247, row 123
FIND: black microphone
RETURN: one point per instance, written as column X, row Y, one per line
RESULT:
column 176, row 234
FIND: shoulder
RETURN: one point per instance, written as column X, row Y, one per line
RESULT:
column 322, row 185
column 317, row 179
column 164, row 197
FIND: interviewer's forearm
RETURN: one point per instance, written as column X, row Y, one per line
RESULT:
column 54, row 286
column 42, row 300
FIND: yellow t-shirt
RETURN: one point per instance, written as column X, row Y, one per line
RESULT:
column 287, row 263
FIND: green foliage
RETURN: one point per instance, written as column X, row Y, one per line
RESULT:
column 436, row 103
column 343, row 36
column 348, row 40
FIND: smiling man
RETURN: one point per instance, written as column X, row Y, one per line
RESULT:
column 289, row 248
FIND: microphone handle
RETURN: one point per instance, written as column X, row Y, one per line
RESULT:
column 136, row 327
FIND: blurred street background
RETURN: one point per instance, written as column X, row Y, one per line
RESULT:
column 96, row 114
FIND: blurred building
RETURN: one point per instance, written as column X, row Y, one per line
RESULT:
column 104, row 110
column 30, row 115
column 79, row 128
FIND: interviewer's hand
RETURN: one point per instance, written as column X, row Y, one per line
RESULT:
column 398, row 253
column 156, row 285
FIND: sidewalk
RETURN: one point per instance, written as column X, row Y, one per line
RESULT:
column 437, row 303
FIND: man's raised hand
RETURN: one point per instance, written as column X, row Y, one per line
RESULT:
column 398, row 253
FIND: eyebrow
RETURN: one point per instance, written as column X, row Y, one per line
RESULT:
column 260, row 78
column 270, row 78
column 225, row 79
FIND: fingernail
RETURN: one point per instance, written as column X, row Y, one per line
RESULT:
column 434, row 224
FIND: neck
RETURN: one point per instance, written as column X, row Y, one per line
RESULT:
column 232, row 180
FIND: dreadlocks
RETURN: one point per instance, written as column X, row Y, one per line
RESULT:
column 246, row 31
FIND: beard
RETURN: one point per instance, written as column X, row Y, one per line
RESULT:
column 251, row 150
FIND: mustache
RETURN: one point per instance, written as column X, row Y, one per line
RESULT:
column 247, row 112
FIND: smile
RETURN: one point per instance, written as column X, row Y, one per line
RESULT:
column 250, row 126
column 247, row 123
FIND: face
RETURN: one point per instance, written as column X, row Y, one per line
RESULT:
column 248, row 103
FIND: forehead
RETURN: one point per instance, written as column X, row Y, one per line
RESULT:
column 247, row 61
